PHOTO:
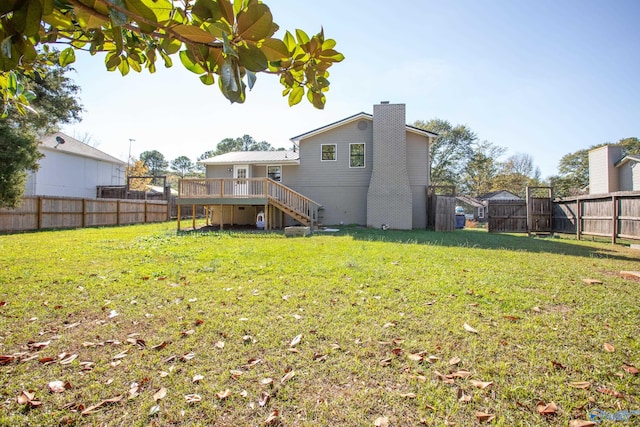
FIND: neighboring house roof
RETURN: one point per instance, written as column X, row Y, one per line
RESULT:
column 254, row 157
column 350, row 119
column 159, row 189
column 626, row 159
column 470, row 201
column 75, row 147
column 494, row 194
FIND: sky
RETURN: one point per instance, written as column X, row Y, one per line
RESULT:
column 544, row 78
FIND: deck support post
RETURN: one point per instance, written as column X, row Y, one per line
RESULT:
column 179, row 206
column 221, row 217
column 193, row 215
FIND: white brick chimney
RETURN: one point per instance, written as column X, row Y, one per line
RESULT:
column 389, row 199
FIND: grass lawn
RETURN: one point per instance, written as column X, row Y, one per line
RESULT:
column 140, row 325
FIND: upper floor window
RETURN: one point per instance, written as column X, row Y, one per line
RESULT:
column 275, row 172
column 356, row 155
column 329, row 152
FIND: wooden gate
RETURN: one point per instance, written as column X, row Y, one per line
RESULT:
column 441, row 208
column 507, row 216
column 533, row 215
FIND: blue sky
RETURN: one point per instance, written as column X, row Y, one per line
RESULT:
column 544, row 78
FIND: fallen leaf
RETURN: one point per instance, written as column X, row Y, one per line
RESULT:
column 266, row 381
column 536, row 309
column 193, row 398
column 409, row 395
column 160, row 394
column 546, row 408
column 113, row 314
column 319, row 357
column 219, row 344
column 454, row 361
column 67, row 358
column 470, row 329
column 610, row 392
column 38, row 345
column 58, row 386
column 287, row 377
column 188, row 356
column 91, row 409
column 154, row 410
column 462, row 397
column 385, row 362
column 381, row 422
column 630, row 369
column 160, row 346
column 223, row 394
column 389, row 325
column 272, row 418
column 512, row 318
column 6, row 359
column 592, row 281
column 187, row 333
column 444, row 378
column 120, row 355
column 296, row 340
column 461, row 374
column 608, row 347
column 558, row 365
column 197, row 378
column 26, row 398
column 481, row 384
column 264, row 398
column 580, row 384
column 483, row 417
column 417, row 357
column 581, row 423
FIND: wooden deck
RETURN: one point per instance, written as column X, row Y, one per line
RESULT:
column 247, row 191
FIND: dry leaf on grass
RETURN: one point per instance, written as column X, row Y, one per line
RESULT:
column 160, row 394
column 608, row 347
column 454, row 361
column 193, row 398
column 483, row 417
column 266, row 381
column 610, row 392
column 581, row 423
column 469, row 329
column 223, row 394
column 296, row 340
column 287, row 377
column 264, row 398
column 58, row 386
column 592, row 281
column 92, row 409
column 6, row 359
column 272, row 418
column 381, row 422
column 197, row 378
column 546, row 408
column 409, row 395
column 580, row 384
column 481, row 384
column 27, row 398
column 630, row 369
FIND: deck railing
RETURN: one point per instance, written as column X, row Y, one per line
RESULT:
column 243, row 188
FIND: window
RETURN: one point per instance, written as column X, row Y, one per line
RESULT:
column 329, row 152
column 481, row 212
column 275, row 172
column 356, row 155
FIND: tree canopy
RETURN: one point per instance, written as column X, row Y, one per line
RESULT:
column 215, row 39
column 55, row 98
column 182, row 165
column 154, row 161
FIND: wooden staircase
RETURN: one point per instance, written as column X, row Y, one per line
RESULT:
column 297, row 206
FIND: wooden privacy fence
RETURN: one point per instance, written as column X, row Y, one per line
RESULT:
column 614, row 215
column 507, row 216
column 441, row 208
column 44, row 212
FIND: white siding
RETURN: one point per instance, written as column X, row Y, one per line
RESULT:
column 68, row 175
column 629, row 176
column 603, row 175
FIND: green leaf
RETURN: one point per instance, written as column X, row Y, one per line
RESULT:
column 207, row 79
column 227, row 77
column 290, row 42
column 112, row 60
column 226, row 10
column 118, row 18
column 67, row 56
column 228, row 47
column 189, row 62
column 138, row 7
column 274, row 49
column 251, row 79
column 47, row 7
column 238, row 5
column 255, row 22
column 195, row 34
column 135, row 65
column 303, row 38
column 252, row 58
column 168, row 62
column 207, row 10
column 295, row 96
column 7, row 6
column 12, row 83
column 171, row 46
column 124, row 68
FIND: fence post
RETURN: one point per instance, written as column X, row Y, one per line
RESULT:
column 145, row 208
column 84, row 213
column 118, row 212
column 529, row 211
column 614, row 217
column 579, row 218
column 40, row 204
column 179, row 214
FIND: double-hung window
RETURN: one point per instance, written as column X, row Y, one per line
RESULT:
column 274, row 172
column 356, row 155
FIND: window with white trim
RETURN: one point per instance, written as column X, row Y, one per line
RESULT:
column 329, row 152
column 481, row 212
column 356, row 155
column 274, row 172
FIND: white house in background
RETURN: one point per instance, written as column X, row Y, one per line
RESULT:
column 71, row 168
column 610, row 171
